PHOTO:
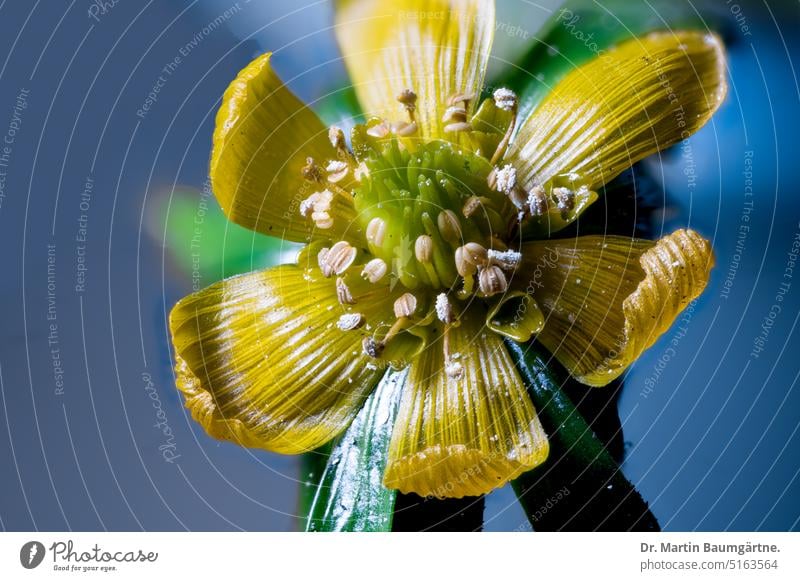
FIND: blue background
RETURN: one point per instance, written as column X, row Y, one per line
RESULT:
column 713, row 446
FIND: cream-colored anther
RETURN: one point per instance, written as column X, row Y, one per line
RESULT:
column 406, row 129
column 374, row 270
column 423, row 248
column 464, row 267
column 350, row 321
column 474, row 204
column 343, row 294
column 380, row 130
column 492, row 281
column 405, row 306
column 338, row 259
column 376, row 231
column 475, row 253
column 457, row 127
column 449, row 227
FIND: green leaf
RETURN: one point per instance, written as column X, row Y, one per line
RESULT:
column 351, row 495
column 581, row 30
column 205, row 245
column 580, row 486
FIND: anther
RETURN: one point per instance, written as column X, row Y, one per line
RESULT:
column 565, row 199
column 492, row 281
column 464, row 267
column 405, row 306
column 475, row 253
column 457, row 127
column 311, row 171
column 423, row 248
column 444, row 310
column 374, row 270
column 350, row 321
column 380, row 130
column 505, row 99
column 337, row 170
column 505, row 179
column 406, row 129
column 343, row 293
column 376, row 231
column 473, row 204
column 337, row 259
column 537, row 201
column 507, row 260
column 408, row 99
column 336, row 135
column 372, row 347
column 455, row 116
column 449, row 227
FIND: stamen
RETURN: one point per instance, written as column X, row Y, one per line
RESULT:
column 455, row 116
column 380, row 130
column 337, row 170
column 464, row 267
column 423, row 248
column 507, row 260
column 406, row 129
column 458, row 127
column 565, row 199
column 372, row 347
column 492, row 281
column 537, row 201
column 376, row 230
column 449, row 227
column 343, row 293
column 473, row 204
column 337, row 259
column 374, row 270
column 350, row 321
column 311, row 171
column 405, row 306
column 506, row 100
column 408, row 99
column 336, row 135
column 444, row 310
column 475, row 253
column 505, row 179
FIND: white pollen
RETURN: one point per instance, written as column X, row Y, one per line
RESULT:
column 350, row 321
column 506, row 179
column 443, row 309
column 505, row 99
column 507, row 259
column 454, row 370
column 335, row 166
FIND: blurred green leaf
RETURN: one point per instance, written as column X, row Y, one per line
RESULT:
column 581, row 30
column 205, row 245
column 580, row 487
column 350, row 495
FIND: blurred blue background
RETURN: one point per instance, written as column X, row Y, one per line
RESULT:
column 93, row 435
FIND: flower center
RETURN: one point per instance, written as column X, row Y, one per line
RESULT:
column 435, row 223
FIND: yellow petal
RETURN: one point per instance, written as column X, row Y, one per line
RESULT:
column 437, row 48
column 467, row 436
column 262, row 138
column 607, row 299
column 636, row 99
column 262, row 362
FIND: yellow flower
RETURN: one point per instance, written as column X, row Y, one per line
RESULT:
column 429, row 239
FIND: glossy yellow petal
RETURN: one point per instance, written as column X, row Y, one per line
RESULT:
column 262, row 362
column 437, row 48
column 607, row 299
column 636, row 99
column 262, row 138
column 466, row 436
